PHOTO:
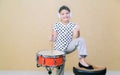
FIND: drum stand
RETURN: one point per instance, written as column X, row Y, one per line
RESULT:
column 49, row 69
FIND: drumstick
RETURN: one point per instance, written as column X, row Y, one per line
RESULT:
column 51, row 45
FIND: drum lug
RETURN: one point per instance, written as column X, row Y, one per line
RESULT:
column 49, row 69
column 38, row 65
column 37, row 62
column 58, row 67
column 43, row 61
column 49, row 72
column 64, row 58
column 54, row 61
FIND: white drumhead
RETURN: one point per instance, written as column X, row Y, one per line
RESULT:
column 50, row 52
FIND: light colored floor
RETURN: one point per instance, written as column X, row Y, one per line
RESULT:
column 45, row 73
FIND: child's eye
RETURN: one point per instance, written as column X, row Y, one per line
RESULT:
column 67, row 13
column 63, row 14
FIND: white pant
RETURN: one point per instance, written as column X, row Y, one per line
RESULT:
column 78, row 43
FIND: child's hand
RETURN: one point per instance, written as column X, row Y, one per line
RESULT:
column 76, row 32
column 50, row 38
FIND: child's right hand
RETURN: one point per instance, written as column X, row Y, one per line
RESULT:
column 50, row 38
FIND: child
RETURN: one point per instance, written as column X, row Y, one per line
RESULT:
column 66, row 38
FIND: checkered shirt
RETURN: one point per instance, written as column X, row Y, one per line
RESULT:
column 64, row 35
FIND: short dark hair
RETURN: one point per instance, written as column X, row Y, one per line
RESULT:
column 64, row 7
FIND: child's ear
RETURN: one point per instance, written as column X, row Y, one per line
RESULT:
column 58, row 14
column 70, row 14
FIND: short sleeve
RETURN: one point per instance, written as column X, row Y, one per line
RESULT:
column 76, row 27
column 54, row 27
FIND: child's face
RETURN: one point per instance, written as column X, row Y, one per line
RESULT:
column 65, row 15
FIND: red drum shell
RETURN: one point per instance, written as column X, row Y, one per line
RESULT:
column 50, row 58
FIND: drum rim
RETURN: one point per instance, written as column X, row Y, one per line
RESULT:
column 50, row 66
column 49, row 56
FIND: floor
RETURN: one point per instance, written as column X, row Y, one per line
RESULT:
column 45, row 73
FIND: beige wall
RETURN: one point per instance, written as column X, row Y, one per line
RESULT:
column 25, row 27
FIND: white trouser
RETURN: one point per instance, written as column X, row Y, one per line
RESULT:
column 78, row 43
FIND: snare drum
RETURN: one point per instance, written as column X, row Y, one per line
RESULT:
column 50, row 58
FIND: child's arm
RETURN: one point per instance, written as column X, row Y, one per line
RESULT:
column 76, row 32
column 53, row 36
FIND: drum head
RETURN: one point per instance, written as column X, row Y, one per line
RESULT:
column 50, row 53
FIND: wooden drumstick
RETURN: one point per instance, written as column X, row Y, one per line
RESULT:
column 51, row 41
column 51, row 45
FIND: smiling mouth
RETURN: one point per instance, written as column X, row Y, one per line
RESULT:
column 66, row 17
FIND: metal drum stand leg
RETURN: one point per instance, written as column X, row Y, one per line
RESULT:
column 49, row 69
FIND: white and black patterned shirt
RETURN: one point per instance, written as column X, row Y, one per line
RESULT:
column 64, row 35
